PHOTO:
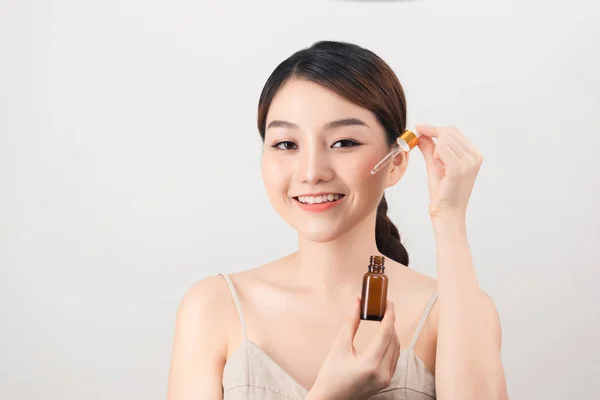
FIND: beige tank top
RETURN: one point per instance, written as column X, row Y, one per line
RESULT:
column 251, row 374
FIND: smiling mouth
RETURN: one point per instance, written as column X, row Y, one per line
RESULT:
column 325, row 198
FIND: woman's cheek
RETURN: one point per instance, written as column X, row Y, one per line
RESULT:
column 276, row 173
column 367, row 188
column 362, row 165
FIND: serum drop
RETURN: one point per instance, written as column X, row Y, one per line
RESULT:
column 374, row 291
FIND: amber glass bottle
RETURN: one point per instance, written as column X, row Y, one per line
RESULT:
column 374, row 291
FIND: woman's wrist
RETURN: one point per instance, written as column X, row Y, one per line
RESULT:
column 316, row 393
column 450, row 222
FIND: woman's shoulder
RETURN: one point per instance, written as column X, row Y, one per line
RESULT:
column 211, row 298
column 409, row 279
column 206, row 301
column 205, row 292
column 201, row 334
column 412, row 291
column 208, row 308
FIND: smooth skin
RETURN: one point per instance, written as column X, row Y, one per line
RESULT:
column 302, row 309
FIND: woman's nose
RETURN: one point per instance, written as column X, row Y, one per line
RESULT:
column 314, row 165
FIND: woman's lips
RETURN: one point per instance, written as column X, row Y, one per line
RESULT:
column 317, row 207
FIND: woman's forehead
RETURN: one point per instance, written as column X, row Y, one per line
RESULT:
column 304, row 102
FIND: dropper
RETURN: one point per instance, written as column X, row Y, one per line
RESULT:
column 406, row 142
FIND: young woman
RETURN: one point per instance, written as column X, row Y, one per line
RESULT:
column 291, row 329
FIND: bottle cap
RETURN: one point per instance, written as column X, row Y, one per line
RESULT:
column 410, row 139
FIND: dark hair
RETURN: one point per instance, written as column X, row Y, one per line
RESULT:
column 363, row 78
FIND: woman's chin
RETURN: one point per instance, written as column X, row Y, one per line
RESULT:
column 321, row 234
column 320, row 237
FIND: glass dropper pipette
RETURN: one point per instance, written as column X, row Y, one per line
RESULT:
column 406, row 142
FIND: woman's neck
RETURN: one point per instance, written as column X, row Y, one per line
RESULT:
column 340, row 263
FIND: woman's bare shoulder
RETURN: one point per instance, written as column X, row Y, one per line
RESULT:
column 206, row 296
column 200, row 340
column 409, row 280
column 204, row 309
column 414, row 290
column 204, row 314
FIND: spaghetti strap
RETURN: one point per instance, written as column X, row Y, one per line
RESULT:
column 236, row 300
column 423, row 319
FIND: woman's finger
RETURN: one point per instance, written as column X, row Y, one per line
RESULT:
column 463, row 142
column 394, row 360
column 388, row 357
column 471, row 154
column 459, row 150
column 384, row 336
column 427, row 130
column 427, row 147
column 446, row 154
column 459, row 137
column 348, row 331
column 435, row 168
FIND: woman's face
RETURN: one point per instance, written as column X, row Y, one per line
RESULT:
column 318, row 153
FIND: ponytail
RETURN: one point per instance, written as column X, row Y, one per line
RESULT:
column 387, row 236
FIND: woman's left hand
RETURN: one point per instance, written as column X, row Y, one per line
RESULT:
column 452, row 166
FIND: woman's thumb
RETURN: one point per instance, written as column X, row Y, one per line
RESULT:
column 427, row 147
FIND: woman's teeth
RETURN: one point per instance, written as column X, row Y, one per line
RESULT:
column 319, row 199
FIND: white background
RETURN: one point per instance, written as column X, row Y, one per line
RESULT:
column 129, row 169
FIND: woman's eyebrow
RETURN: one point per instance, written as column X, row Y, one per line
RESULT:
column 345, row 122
column 330, row 125
column 281, row 124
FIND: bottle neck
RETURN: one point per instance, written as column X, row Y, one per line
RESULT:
column 376, row 269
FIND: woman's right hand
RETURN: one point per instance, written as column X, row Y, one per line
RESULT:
column 347, row 375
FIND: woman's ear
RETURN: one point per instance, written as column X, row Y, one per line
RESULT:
column 397, row 169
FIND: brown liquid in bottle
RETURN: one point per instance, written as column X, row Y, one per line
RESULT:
column 374, row 291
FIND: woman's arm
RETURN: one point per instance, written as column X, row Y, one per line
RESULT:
column 468, row 363
column 200, row 343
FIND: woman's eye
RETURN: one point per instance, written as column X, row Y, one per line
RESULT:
column 285, row 145
column 345, row 143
